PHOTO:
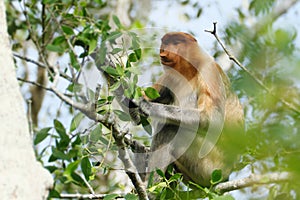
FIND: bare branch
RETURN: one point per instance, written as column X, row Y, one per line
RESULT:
column 88, row 185
column 34, row 83
column 29, row 118
column 89, row 196
column 258, row 81
column 252, row 180
column 39, row 64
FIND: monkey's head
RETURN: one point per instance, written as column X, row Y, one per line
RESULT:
column 175, row 46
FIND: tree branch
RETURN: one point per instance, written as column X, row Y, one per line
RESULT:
column 259, row 82
column 90, row 196
column 41, row 65
column 34, row 83
column 110, row 122
column 252, row 180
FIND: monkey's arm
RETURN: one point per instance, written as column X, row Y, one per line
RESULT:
column 172, row 114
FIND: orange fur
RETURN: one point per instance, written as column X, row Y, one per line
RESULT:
column 192, row 80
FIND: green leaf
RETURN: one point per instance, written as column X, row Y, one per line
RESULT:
column 122, row 115
column 151, row 93
column 117, row 21
column 128, row 93
column 135, row 70
column 41, row 135
column 119, row 70
column 110, row 99
column 110, row 70
column 104, row 140
column 77, row 141
column 110, row 197
column 132, row 57
column 77, row 179
column 96, row 133
column 76, row 121
column 113, row 36
column 75, row 87
column 146, row 125
column 92, row 45
column 159, row 185
column 131, row 197
column 100, row 60
column 59, row 40
column 60, row 129
column 55, row 48
column 54, row 194
column 261, row 6
column 59, row 154
column 138, row 53
column 67, row 30
column 115, row 86
column 51, row 168
column 224, row 197
column 116, row 50
column 86, row 168
column 71, row 168
column 216, row 176
column 160, row 173
column 175, row 177
column 74, row 62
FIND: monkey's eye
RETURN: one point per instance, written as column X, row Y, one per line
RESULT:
column 176, row 42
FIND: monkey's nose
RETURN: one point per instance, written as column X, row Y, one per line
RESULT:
column 163, row 57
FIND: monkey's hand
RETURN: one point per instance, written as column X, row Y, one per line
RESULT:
column 173, row 114
column 136, row 112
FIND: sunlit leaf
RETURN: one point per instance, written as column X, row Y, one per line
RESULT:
column 151, row 93
column 76, row 121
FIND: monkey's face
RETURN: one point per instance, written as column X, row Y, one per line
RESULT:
column 174, row 46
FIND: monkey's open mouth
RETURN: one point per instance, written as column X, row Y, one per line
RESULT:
column 165, row 60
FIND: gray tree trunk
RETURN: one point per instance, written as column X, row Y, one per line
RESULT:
column 21, row 176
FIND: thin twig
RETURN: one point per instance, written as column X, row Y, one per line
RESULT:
column 97, row 95
column 88, row 185
column 90, row 196
column 258, row 81
column 252, row 180
column 36, row 41
column 39, row 64
column 30, row 124
column 34, row 83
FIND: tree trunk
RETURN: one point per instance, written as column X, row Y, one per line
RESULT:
column 21, row 176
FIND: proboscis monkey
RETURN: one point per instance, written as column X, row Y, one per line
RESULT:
column 195, row 116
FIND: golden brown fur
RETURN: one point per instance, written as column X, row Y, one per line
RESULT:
column 192, row 80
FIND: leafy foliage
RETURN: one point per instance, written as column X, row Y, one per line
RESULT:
column 261, row 6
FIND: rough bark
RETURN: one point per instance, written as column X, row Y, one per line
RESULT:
column 22, row 177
